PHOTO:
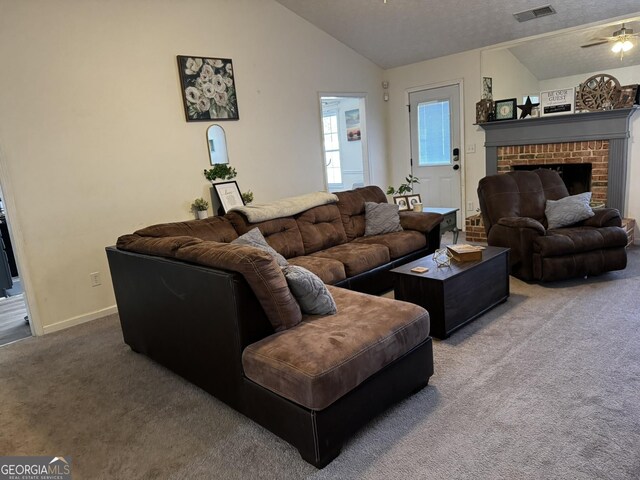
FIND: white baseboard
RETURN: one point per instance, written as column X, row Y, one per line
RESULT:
column 70, row 322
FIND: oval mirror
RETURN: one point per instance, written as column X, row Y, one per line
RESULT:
column 217, row 145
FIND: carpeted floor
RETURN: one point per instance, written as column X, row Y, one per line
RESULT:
column 545, row 386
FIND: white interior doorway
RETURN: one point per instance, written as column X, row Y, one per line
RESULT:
column 436, row 159
column 344, row 141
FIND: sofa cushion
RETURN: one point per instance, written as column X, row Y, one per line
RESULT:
column 323, row 358
column 398, row 243
column 380, row 218
column 312, row 295
column 215, row 229
column 329, row 270
column 253, row 238
column 351, row 206
column 261, row 272
column 320, row 228
column 357, row 257
column 568, row 210
column 569, row 241
column 282, row 233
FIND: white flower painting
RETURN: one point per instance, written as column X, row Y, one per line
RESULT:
column 208, row 88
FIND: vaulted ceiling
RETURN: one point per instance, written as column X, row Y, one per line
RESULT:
column 401, row 32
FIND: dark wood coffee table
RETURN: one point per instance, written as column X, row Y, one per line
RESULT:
column 457, row 294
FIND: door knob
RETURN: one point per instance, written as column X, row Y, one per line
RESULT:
column 456, row 155
column 456, row 167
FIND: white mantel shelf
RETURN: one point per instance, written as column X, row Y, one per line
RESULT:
column 611, row 125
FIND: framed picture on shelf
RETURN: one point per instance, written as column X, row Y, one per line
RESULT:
column 401, row 202
column 412, row 200
column 506, row 109
column 558, row 102
column 229, row 195
column 628, row 95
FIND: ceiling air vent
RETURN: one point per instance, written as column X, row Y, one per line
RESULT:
column 534, row 13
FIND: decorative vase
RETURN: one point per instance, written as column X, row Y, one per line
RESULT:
column 202, row 214
column 484, row 109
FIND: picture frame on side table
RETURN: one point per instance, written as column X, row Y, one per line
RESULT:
column 402, row 203
column 229, row 195
column 506, row 109
column 412, row 200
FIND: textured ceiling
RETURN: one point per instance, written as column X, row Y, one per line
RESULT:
column 401, row 32
column 560, row 55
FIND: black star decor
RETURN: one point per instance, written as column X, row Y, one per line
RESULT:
column 526, row 108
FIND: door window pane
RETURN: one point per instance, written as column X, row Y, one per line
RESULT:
column 434, row 133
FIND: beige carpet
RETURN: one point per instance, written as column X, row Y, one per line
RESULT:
column 545, row 386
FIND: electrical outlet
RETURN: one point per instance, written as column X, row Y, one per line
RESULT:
column 95, row 279
column 469, row 206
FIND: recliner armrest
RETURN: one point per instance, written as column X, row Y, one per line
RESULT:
column 420, row 221
column 604, row 217
column 522, row 222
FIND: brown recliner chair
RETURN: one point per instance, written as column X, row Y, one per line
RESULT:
column 513, row 211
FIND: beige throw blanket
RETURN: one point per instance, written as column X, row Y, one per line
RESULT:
column 285, row 207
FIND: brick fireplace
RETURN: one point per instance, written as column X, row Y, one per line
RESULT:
column 570, row 144
column 560, row 156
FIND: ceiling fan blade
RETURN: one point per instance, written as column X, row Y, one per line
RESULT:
column 594, row 44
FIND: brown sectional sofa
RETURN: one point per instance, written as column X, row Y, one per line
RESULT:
column 222, row 316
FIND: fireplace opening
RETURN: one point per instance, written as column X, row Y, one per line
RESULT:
column 576, row 176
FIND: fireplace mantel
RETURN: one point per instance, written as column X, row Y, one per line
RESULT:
column 612, row 125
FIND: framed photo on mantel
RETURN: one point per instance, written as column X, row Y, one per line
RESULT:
column 558, row 102
column 506, row 109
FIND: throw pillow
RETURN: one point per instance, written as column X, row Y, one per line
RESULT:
column 312, row 295
column 568, row 210
column 381, row 218
column 254, row 238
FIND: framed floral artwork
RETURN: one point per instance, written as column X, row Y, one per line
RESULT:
column 208, row 89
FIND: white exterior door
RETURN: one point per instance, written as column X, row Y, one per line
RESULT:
column 435, row 146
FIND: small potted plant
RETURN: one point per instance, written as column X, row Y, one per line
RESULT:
column 247, row 197
column 200, row 206
column 405, row 187
column 220, row 171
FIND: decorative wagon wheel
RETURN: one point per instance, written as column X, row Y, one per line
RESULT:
column 599, row 92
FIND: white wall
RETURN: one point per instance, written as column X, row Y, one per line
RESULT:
column 626, row 76
column 93, row 141
column 465, row 66
column 511, row 79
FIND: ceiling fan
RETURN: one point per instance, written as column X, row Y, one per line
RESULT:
column 622, row 40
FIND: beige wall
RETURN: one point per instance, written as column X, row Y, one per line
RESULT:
column 464, row 66
column 511, row 79
column 93, row 141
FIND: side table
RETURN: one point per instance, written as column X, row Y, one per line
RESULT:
column 449, row 223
